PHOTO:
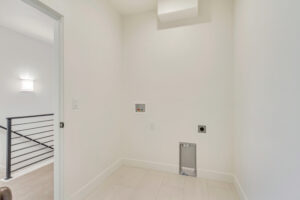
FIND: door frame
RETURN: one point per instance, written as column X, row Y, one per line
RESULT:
column 59, row 100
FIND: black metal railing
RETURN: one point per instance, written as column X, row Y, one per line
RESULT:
column 30, row 140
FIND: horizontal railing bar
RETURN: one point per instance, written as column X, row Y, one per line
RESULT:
column 31, row 116
column 31, row 158
column 48, row 141
column 28, row 138
column 20, row 143
column 30, row 164
column 44, row 137
column 28, row 153
column 25, row 148
column 33, row 122
column 34, row 134
column 32, row 141
column 35, row 128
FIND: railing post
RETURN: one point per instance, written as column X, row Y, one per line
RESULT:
column 8, row 152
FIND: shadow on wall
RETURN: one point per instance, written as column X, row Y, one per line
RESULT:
column 204, row 16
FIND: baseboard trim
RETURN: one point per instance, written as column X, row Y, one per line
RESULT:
column 202, row 173
column 2, row 171
column 240, row 189
column 216, row 175
column 150, row 165
column 86, row 190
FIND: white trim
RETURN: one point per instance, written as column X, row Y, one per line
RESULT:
column 202, row 173
column 86, row 190
column 215, row 175
column 92, row 185
column 44, row 9
column 29, row 170
column 2, row 168
column 240, row 189
column 59, row 136
column 150, row 165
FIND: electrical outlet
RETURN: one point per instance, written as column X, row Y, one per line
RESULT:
column 201, row 129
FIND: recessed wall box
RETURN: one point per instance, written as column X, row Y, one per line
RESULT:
column 188, row 159
column 140, row 107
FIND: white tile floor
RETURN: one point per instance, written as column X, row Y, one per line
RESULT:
column 129, row 183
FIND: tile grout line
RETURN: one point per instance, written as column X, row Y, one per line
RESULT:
column 160, row 186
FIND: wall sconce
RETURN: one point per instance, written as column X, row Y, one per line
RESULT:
column 27, row 84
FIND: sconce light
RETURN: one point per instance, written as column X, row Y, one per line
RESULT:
column 27, row 84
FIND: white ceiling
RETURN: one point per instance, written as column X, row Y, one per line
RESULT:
column 18, row 16
column 129, row 7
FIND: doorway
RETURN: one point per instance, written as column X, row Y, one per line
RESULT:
column 31, row 136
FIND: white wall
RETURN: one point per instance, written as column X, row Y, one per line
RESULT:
column 92, row 60
column 20, row 54
column 184, row 75
column 267, row 83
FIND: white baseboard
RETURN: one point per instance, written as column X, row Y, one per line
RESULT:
column 98, row 180
column 202, row 173
column 216, row 175
column 95, row 182
column 2, row 171
column 150, row 165
column 240, row 189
